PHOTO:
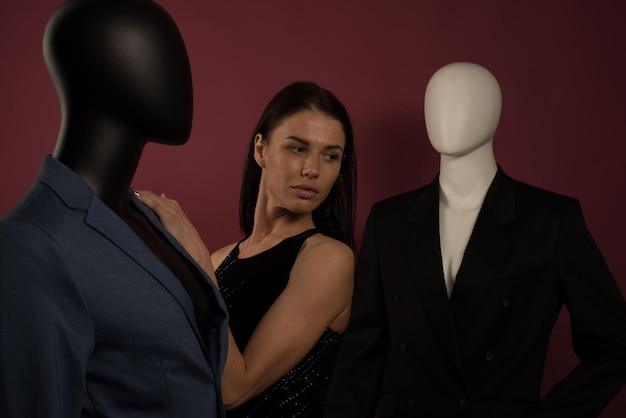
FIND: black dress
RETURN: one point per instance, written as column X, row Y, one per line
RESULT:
column 249, row 287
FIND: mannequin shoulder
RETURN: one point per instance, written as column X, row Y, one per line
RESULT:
column 398, row 207
column 533, row 198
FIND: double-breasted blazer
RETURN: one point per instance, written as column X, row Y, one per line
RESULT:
column 412, row 352
column 92, row 324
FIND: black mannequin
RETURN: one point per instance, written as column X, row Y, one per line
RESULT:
column 122, row 76
column 92, row 323
column 102, row 312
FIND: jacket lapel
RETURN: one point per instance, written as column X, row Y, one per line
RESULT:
column 76, row 194
column 213, row 293
column 219, row 319
column 487, row 250
column 423, row 254
column 101, row 218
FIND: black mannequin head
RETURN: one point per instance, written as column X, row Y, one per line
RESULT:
column 122, row 75
column 124, row 60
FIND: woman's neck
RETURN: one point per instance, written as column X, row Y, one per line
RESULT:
column 274, row 223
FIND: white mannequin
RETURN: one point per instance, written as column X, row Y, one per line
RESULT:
column 462, row 107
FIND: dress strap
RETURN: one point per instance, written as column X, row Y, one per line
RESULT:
column 304, row 235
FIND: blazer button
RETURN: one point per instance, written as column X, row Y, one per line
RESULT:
column 464, row 403
column 403, row 347
column 489, row 356
column 396, row 297
column 506, row 302
column 410, row 400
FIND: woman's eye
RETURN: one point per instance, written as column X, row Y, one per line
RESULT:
column 331, row 157
column 296, row 149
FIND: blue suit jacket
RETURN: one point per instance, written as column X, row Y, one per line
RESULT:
column 91, row 322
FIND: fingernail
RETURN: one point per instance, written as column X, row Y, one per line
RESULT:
column 137, row 193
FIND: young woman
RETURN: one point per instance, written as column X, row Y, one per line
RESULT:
column 288, row 282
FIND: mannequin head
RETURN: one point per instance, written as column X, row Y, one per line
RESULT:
column 123, row 61
column 462, row 108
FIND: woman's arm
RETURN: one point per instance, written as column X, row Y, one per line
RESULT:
column 317, row 296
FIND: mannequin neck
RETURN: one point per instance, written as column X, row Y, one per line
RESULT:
column 464, row 180
column 105, row 154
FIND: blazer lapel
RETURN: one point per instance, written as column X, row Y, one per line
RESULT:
column 76, row 194
column 487, row 250
column 213, row 291
column 101, row 218
column 423, row 253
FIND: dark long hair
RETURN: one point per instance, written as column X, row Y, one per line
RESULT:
column 335, row 216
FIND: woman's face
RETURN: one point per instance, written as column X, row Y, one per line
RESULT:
column 300, row 161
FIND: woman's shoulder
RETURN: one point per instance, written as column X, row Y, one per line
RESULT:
column 325, row 251
column 321, row 242
column 325, row 267
column 218, row 256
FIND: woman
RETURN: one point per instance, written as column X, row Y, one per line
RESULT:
column 288, row 283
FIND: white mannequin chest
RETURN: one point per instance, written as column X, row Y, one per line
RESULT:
column 455, row 230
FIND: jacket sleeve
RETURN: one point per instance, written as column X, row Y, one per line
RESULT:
column 598, row 320
column 354, row 389
column 45, row 331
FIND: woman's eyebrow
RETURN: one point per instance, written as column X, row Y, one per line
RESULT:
column 305, row 142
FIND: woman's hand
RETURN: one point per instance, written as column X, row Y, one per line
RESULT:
column 179, row 226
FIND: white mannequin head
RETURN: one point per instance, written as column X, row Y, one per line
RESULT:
column 462, row 108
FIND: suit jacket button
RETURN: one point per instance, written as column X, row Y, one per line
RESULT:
column 489, row 356
column 506, row 302
column 396, row 297
column 464, row 403
column 403, row 347
column 410, row 400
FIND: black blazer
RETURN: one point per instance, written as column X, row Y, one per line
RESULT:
column 409, row 351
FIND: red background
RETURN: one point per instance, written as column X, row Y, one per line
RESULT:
column 561, row 66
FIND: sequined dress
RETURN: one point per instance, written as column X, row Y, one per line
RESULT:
column 249, row 287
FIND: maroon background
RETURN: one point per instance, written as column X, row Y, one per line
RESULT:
column 561, row 66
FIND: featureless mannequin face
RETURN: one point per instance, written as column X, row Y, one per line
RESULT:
column 122, row 75
column 123, row 63
column 462, row 108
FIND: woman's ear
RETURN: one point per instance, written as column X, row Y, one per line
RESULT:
column 259, row 150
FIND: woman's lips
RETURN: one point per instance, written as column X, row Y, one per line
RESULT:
column 305, row 192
